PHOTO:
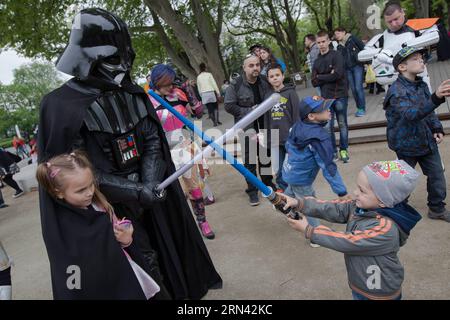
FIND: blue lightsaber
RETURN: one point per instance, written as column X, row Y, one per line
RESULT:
column 266, row 191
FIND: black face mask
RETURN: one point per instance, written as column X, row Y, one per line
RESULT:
column 99, row 51
column 112, row 70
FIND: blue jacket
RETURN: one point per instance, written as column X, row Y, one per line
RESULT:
column 411, row 120
column 309, row 149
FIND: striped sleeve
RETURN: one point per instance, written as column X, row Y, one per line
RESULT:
column 379, row 238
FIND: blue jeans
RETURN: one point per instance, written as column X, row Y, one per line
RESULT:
column 296, row 191
column 357, row 296
column 355, row 79
column 281, row 156
column 431, row 166
column 339, row 111
column 22, row 152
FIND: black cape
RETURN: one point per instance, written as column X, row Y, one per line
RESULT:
column 184, row 260
column 7, row 158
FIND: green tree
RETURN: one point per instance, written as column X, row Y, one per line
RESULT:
column 189, row 31
column 233, row 50
column 363, row 10
column 274, row 19
column 20, row 100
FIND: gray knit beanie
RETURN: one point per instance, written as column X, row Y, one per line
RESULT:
column 391, row 181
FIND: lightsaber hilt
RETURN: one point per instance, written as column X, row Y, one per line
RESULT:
column 159, row 193
column 279, row 204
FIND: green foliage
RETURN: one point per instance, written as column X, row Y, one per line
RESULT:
column 19, row 101
column 5, row 143
column 233, row 52
column 40, row 28
column 408, row 6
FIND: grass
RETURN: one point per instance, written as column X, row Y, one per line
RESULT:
column 5, row 142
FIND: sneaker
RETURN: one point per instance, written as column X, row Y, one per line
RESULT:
column 254, row 199
column 3, row 205
column 313, row 245
column 344, row 156
column 209, row 201
column 360, row 113
column 18, row 194
column 439, row 216
column 335, row 157
column 206, row 230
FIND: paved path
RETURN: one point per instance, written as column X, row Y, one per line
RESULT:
column 256, row 252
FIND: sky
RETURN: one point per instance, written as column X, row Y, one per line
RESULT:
column 10, row 60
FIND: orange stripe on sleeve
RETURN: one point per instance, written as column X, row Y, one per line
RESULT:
column 384, row 226
column 331, row 201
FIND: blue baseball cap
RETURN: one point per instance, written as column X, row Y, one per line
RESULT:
column 314, row 104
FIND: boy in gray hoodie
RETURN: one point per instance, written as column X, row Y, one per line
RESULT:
column 378, row 224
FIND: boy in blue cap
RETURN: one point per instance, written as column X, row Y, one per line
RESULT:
column 309, row 149
column 414, row 130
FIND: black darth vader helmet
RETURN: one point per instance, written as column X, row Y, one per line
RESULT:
column 99, row 48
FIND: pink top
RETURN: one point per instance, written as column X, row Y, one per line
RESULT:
column 168, row 120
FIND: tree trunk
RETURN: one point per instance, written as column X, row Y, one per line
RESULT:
column 422, row 8
column 448, row 14
column 359, row 10
column 315, row 13
column 184, row 66
column 211, row 41
column 196, row 52
column 331, row 24
column 292, row 35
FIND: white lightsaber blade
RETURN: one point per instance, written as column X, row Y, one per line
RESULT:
column 257, row 112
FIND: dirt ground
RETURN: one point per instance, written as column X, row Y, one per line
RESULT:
column 257, row 254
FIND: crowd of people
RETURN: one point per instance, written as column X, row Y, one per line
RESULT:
column 99, row 169
column 378, row 217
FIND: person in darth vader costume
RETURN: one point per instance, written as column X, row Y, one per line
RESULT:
column 102, row 112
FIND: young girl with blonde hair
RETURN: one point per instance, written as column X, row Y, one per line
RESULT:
column 69, row 179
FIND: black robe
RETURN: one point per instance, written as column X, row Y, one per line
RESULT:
column 184, row 260
column 7, row 159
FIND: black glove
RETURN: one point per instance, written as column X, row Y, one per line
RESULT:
column 147, row 195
